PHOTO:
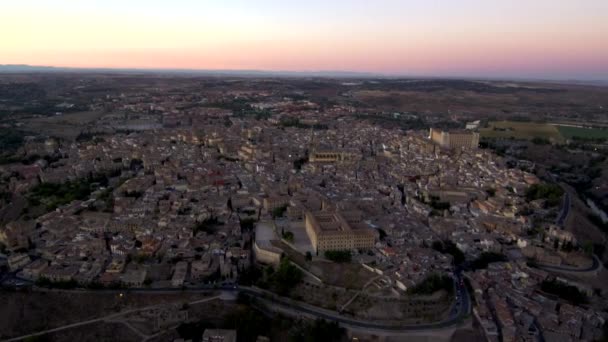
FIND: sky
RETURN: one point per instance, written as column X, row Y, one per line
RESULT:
column 549, row 39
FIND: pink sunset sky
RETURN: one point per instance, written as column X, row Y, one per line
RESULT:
column 491, row 38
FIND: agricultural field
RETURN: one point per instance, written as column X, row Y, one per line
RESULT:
column 66, row 126
column 522, row 130
column 570, row 132
column 550, row 132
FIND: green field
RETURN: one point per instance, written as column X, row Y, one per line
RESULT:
column 530, row 130
column 522, row 130
column 583, row 133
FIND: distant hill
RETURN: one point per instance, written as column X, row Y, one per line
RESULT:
column 10, row 68
column 24, row 68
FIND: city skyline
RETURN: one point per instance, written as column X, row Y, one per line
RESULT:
column 515, row 39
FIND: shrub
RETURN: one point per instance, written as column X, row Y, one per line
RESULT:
column 338, row 256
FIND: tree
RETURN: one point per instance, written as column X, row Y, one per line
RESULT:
column 279, row 211
column 338, row 256
column 285, row 277
column 568, row 246
column 552, row 193
column 287, row 236
column 564, row 291
column 449, row 247
column 319, row 330
column 487, row 258
column 209, row 225
column 298, row 163
column 432, row 284
column 247, row 223
column 308, row 256
column 589, row 248
column 249, row 276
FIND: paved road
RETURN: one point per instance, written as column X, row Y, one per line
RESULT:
column 457, row 313
column 594, row 267
column 112, row 318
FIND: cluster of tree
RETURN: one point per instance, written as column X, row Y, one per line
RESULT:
column 436, row 204
column 279, row 211
column 237, row 105
column 241, row 108
column 193, row 331
column 50, row 107
column 281, row 280
column 105, row 201
column 208, row 225
column 184, row 211
column 5, row 196
column 136, row 164
column 298, row 163
column 432, row 284
column 308, row 256
column 440, row 205
column 488, row 143
column 338, row 256
column 552, row 193
column 247, row 223
column 286, row 277
column 140, row 258
column 487, row 258
column 48, row 283
column 53, row 195
column 540, row 141
column 295, row 122
column 227, row 158
column 381, row 234
column 564, row 291
column 250, row 323
column 566, row 246
column 390, row 121
column 133, row 193
column 287, row 236
column 319, row 330
column 28, row 159
column 449, row 247
column 18, row 93
column 596, row 220
column 10, row 141
column 90, row 136
column 250, row 275
column 72, row 284
column 598, row 140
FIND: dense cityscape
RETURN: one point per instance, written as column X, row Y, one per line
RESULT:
column 302, row 201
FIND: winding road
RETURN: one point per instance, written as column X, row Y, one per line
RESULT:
column 594, row 267
column 458, row 312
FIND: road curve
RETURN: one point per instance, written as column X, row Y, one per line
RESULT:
column 594, row 267
column 455, row 318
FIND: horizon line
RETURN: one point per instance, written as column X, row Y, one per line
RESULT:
column 289, row 73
